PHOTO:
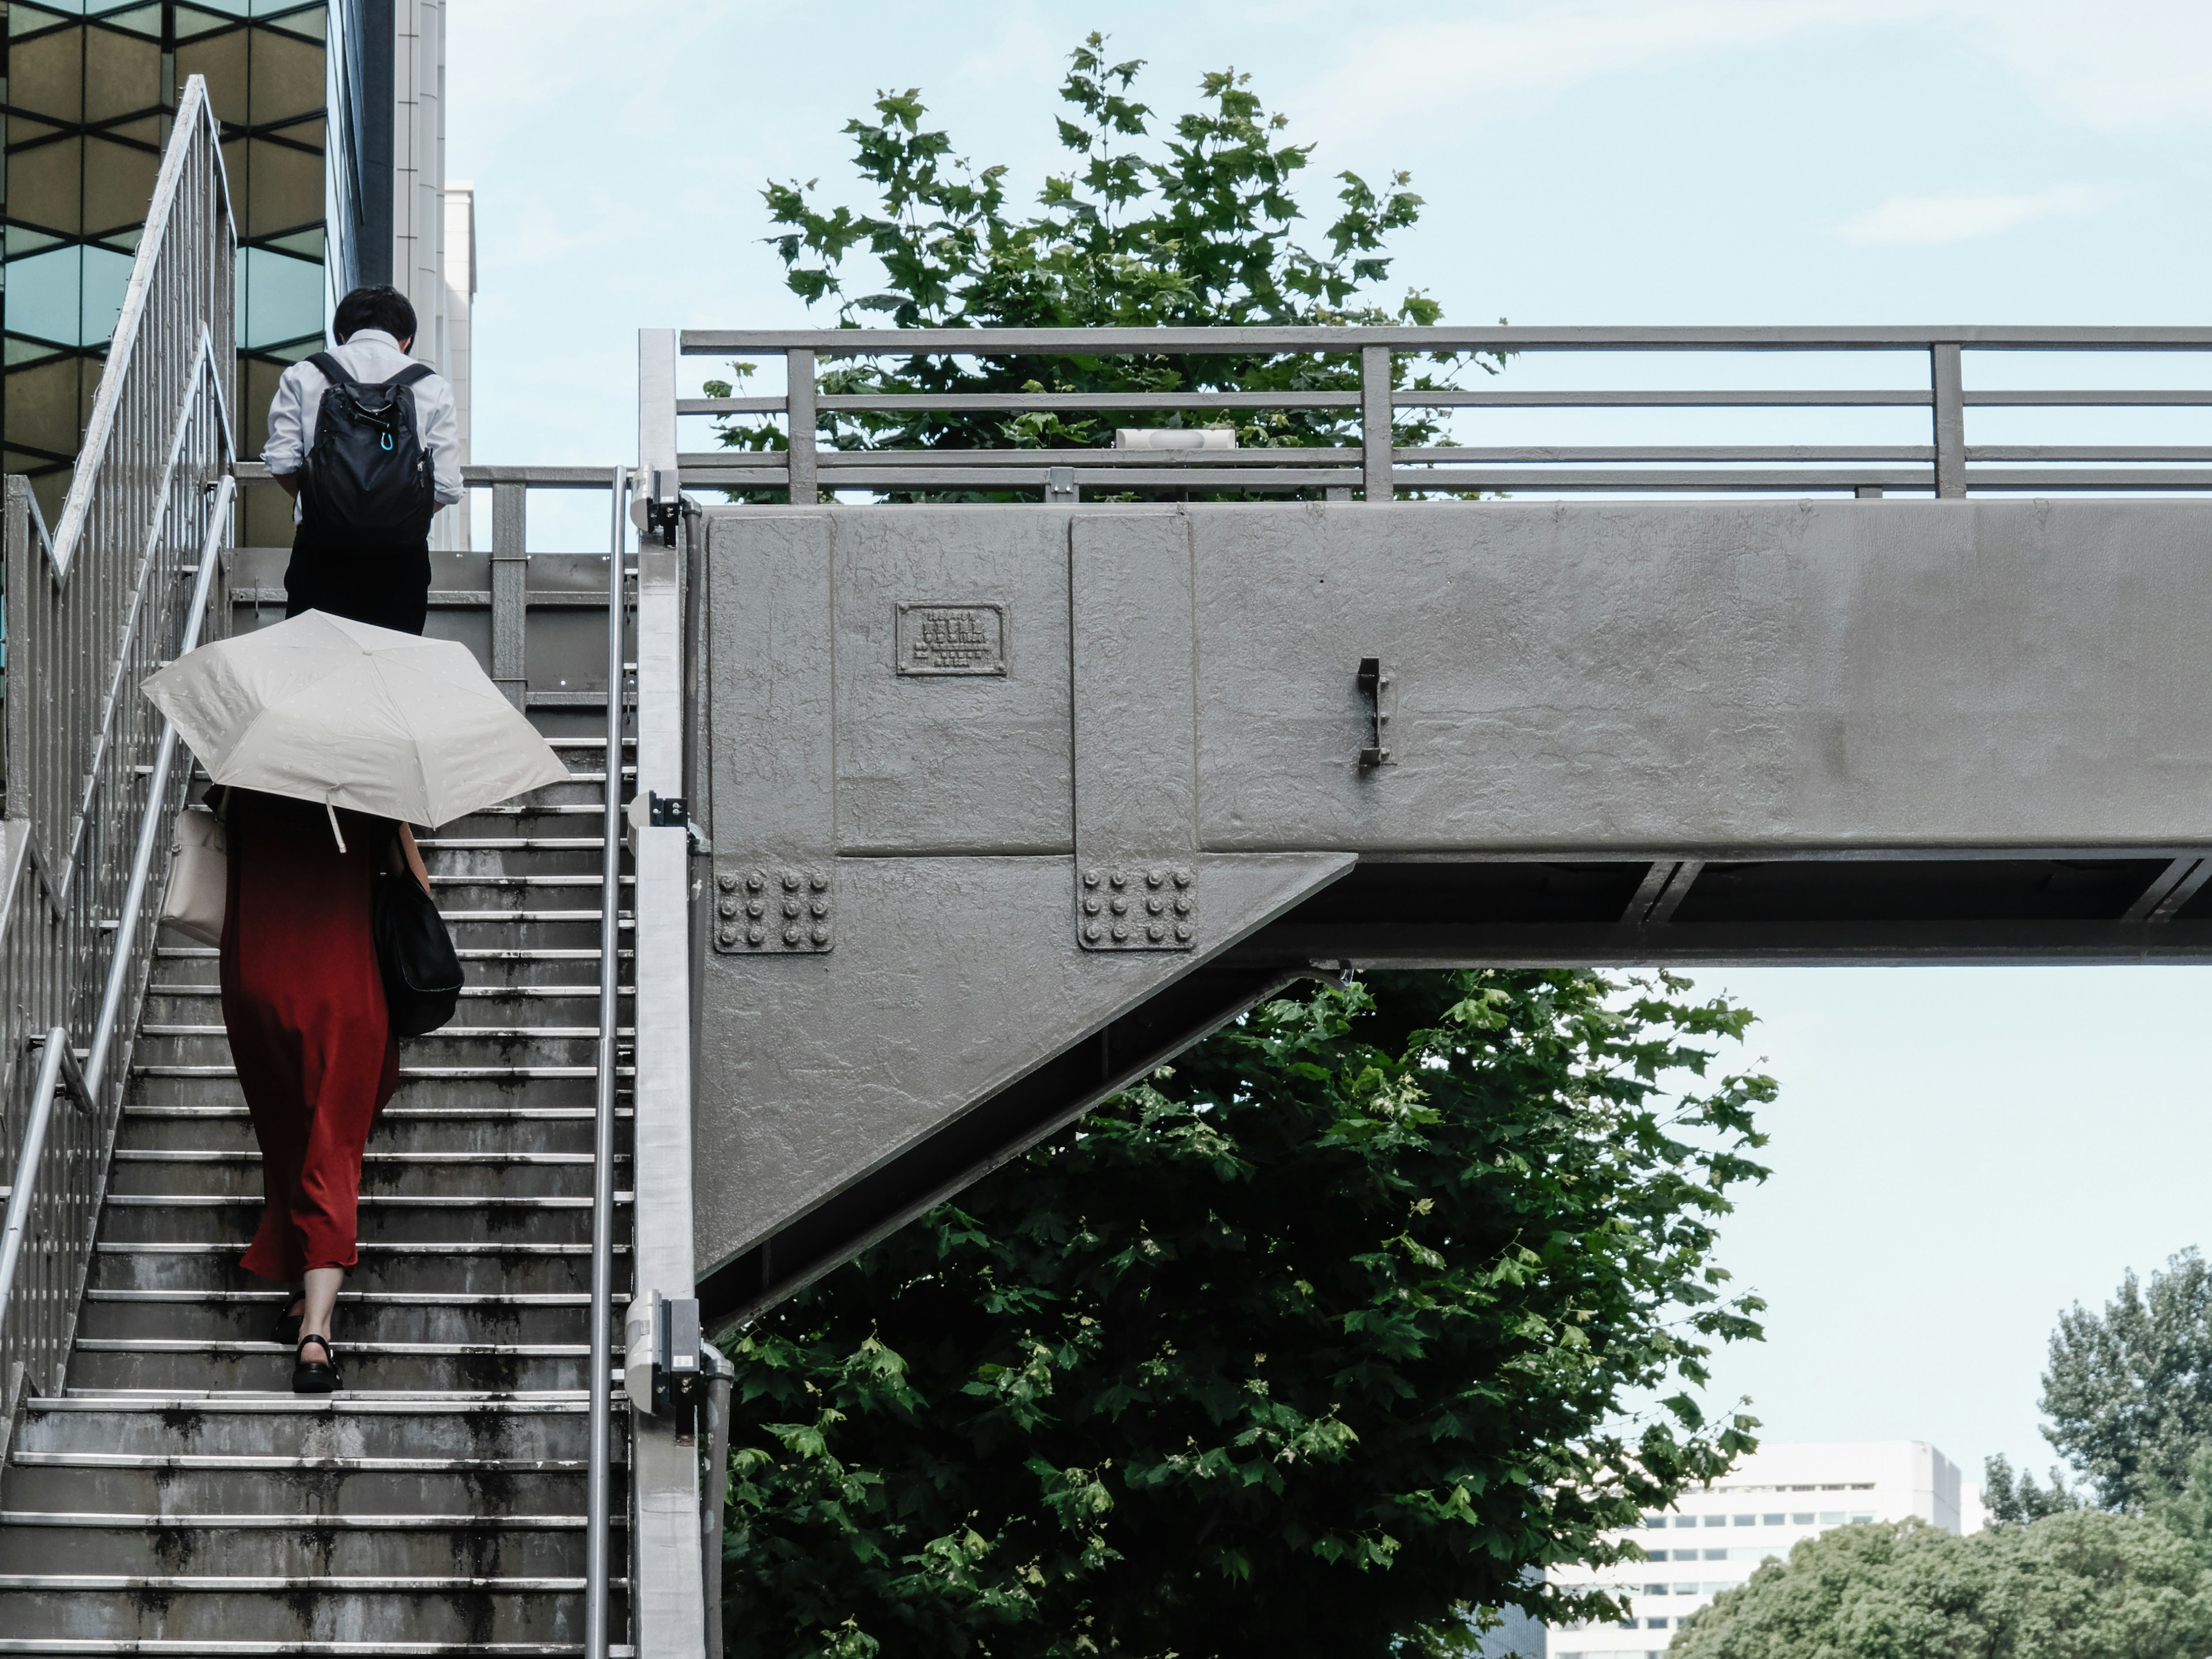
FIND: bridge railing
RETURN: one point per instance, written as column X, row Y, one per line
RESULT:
column 971, row 369
column 123, row 585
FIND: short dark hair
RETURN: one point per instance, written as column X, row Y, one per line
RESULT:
column 381, row 306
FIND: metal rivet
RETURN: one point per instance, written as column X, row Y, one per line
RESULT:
column 754, row 936
column 1091, row 907
column 1120, row 880
column 821, row 906
column 1090, row 878
column 1120, row 905
column 821, row 936
column 1091, row 933
column 1153, row 878
column 1182, row 877
column 1182, row 932
column 727, row 881
column 728, row 936
column 1182, row 907
column 755, row 909
column 1153, row 905
column 790, row 881
column 1155, row 931
column 755, row 882
column 818, row 881
column 1120, row 933
column 791, row 936
column 728, row 907
column 791, row 907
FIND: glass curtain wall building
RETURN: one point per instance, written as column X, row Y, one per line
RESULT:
column 323, row 105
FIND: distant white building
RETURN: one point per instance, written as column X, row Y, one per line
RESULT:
column 1715, row 1537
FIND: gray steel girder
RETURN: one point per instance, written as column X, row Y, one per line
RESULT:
column 1026, row 798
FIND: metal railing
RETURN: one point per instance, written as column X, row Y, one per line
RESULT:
column 599, row 1503
column 1946, row 465
column 90, row 784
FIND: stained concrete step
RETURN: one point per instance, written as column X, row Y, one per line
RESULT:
column 164, row 1049
column 547, row 966
column 221, row 1126
column 444, row 1221
column 306, row 1546
column 151, row 1363
column 472, row 1427
column 209, row 1484
column 480, row 1268
column 441, row 1615
column 424, row 1087
column 197, row 1173
column 363, row 1315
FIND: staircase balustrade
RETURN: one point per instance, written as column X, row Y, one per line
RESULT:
column 121, row 586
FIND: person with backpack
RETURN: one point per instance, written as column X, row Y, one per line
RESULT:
column 365, row 442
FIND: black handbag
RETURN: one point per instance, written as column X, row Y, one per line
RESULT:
column 414, row 952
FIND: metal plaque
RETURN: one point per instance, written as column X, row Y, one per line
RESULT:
column 952, row 638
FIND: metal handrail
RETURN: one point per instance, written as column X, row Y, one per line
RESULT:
column 91, row 780
column 598, row 1516
column 195, row 116
column 1945, row 466
column 153, row 821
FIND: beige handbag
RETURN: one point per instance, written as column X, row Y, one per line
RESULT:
column 200, row 876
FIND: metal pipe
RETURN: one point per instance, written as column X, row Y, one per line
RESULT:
column 150, row 828
column 596, row 1537
column 721, row 1375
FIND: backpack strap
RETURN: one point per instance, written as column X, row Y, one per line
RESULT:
column 411, row 374
column 331, row 369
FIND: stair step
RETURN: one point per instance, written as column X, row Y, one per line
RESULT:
column 181, row 1315
column 432, row 1269
column 253, row 1366
column 511, row 1621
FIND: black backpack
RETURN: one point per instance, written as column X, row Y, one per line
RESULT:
column 369, row 481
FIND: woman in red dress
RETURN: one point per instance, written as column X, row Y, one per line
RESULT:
column 303, row 1003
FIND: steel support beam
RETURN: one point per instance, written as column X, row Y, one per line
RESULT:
column 1892, row 731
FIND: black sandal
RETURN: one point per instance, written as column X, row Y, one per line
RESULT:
column 287, row 1328
column 317, row 1376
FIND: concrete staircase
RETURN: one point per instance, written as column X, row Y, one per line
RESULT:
column 180, row 1500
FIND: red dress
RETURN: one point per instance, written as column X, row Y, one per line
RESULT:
column 304, row 1005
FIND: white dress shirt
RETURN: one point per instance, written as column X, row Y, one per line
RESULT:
column 370, row 355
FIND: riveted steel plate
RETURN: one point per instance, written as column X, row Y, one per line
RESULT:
column 773, row 908
column 772, row 771
column 936, row 639
column 1143, row 908
column 1135, row 716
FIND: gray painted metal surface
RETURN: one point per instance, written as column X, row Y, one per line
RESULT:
column 1876, row 730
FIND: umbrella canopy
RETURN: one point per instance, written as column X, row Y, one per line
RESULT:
column 323, row 708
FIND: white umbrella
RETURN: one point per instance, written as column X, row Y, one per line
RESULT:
column 323, row 708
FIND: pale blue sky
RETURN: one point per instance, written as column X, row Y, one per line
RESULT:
column 1959, row 1153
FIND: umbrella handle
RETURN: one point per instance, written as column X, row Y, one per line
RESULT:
column 335, row 834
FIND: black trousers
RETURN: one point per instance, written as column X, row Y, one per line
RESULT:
column 387, row 585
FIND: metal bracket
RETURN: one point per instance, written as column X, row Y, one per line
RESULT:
column 667, row 812
column 1381, row 690
column 774, row 910
column 1150, row 907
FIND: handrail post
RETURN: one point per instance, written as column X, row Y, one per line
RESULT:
column 1376, row 458
column 798, row 406
column 1948, row 384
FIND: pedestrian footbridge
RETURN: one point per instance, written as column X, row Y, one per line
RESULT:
column 902, row 831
